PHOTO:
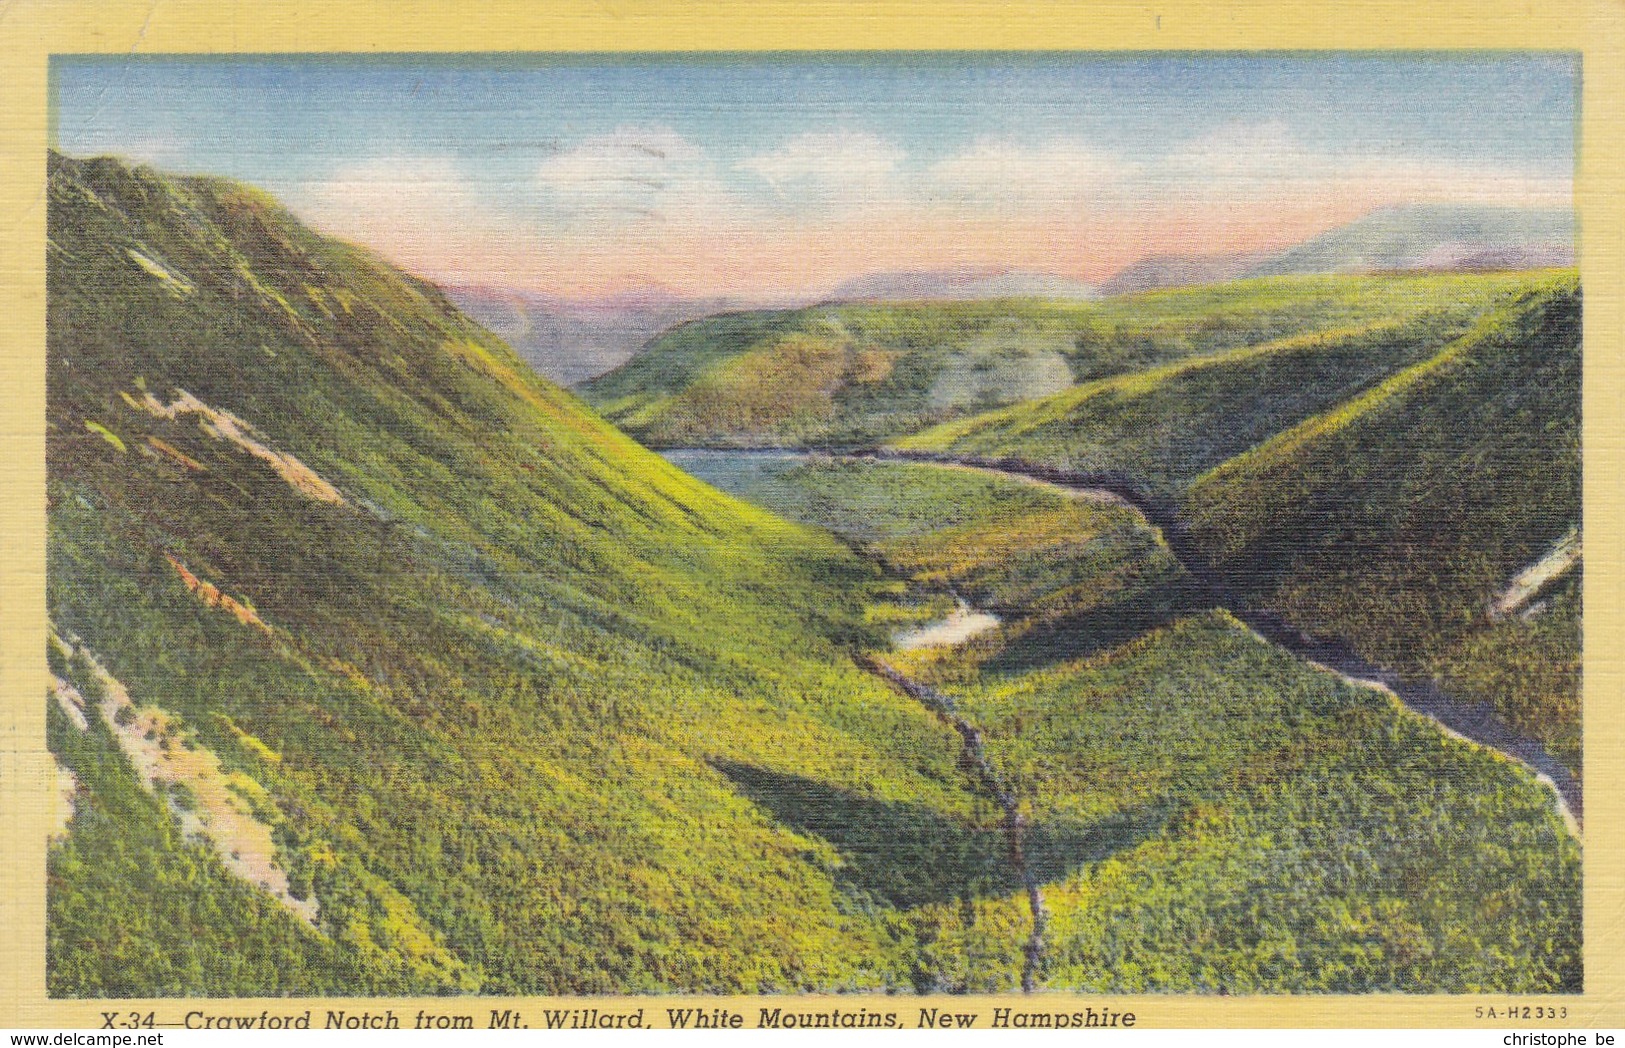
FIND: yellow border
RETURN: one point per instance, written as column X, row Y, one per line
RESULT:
column 31, row 30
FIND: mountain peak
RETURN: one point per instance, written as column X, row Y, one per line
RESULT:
column 1435, row 237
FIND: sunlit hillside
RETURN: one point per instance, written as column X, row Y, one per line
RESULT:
column 486, row 688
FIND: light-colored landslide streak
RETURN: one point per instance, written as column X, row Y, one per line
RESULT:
column 72, row 703
column 223, row 425
column 66, row 796
column 210, row 803
column 1558, row 561
column 1014, row 824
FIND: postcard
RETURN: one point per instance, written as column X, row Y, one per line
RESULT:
column 597, row 520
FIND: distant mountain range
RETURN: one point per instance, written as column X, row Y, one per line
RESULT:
column 1428, row 238
column 1434, row 237
column 957, row 285
column 379, row 665
column 1157, row 271
column 574, row 340
column 1419, row 238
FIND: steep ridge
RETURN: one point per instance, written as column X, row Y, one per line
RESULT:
column 839, row 375
column 1383, row 487
column 525, row 707
column 1398, row 518
column 1165, row 426
column 1473, row 721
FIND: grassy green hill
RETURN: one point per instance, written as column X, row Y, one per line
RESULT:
column 857, row 374
column 1397, row 518
column 383, row 665
column 1378, row 457
column 1166, row 425
column 1381, row 483
column 1245, row 822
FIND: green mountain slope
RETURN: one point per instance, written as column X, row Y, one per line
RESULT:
column 1206, row 812
column 1328, row 455
column 855, row 374
column 1166, row 425
column 495, row 699
column 1384, row 484
column 1398, row 518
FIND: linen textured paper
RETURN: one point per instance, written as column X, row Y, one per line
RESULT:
column 617, row 527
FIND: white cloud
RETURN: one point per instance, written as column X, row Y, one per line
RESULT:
column 831, row 167
column 424, row 212
column 999, row 174
column 1243, row 153
column 1256, row 161
column 643, row 204
column 410, row 192
column 631, row 174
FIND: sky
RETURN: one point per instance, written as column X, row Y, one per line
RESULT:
column 753, row 176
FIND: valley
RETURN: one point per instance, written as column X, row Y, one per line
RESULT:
column 1473, row 722
column 1112, row 665
column 948, row 647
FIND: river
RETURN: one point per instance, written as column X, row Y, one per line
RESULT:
column 1473, row 721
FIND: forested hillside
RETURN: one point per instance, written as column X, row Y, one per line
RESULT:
column 1404, row 518
column 1204, row 812
column 1388, row 484
column 1390, row 462
column 842, row 375
column 383, row 665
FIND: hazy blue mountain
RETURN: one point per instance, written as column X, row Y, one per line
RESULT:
column 1434, row 237
column 959, row 285
column 1158, row 271
column 572, row 340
